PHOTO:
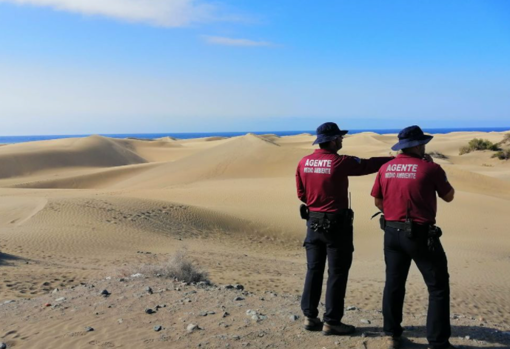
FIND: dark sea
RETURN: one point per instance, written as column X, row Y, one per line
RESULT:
column 21, row 139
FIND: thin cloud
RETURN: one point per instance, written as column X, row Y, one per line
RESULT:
column 220, row 40
column 167, row 13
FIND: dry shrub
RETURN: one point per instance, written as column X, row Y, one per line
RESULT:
column 438, row 155
column 182, row 268
column 478, row 144
column 502, row 154
column 464, row 150
column 506, row 139
column 482, row 144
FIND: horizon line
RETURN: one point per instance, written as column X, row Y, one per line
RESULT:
column 453, row 129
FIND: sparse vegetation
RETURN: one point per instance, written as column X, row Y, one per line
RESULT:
column 506, row 139
column 502, row 154
column 478, row 144
column 182, row 268
column 464, row 150
column 437, row 155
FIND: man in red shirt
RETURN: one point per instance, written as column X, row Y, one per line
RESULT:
column 405, row 191
column 322, row 184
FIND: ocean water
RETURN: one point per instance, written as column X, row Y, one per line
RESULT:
column 32, row 138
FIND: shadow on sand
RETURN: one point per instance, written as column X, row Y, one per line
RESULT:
column 6, row 258
column 476, row 334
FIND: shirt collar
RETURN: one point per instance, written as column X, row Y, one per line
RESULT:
column 406, row 156
column 324, row 151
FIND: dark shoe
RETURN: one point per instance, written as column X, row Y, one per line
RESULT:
column 392, row 342
column 313, row 324
column 337, row 330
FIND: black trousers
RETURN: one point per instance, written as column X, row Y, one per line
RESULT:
column 399, row 250
column 337, row 247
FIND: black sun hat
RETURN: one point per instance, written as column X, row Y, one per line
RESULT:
column 411, row 137
column 328, row 132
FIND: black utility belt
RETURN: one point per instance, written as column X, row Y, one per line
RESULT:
column 405, row 225
column 332, row 216
column 413, row 229
column 325, row 222
column 397, row 225
column 306, row 214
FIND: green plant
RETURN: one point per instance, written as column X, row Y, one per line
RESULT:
column 502, row 154
column 478, row 144
column 482, row 144
column 506, row 139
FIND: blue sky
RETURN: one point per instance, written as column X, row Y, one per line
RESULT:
column 126, row 66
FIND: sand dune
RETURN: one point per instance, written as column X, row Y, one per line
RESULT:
column 241, row 157
column 93, row 151
column 73, row 210
column 477, row 183
column 167, row 139
column 212, row 139
column 92, row 179
column 109, row 224
column 16, row 211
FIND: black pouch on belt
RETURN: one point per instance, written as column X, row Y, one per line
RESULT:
column 409, row 228
column 323, row 222
column 433, row 235
column 382, row 222
column 304, row 211
column 319, row 222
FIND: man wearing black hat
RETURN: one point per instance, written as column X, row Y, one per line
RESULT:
column 405, row 191
column 322, row 184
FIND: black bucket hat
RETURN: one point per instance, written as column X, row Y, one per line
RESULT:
column 411, row 137
column 328, row 132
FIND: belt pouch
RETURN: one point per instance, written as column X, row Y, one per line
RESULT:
column 304, row 211
column 409, row 228
column 323, row 222
column 435, row 232
column 382, row 222
column 433, row 235
column 316, row 220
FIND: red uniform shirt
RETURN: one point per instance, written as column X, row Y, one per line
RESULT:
column 410, row 181
column 322, row 178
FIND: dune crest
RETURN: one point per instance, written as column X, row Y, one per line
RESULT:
column 94, row 151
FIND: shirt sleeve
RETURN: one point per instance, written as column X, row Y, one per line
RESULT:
column 299, row 185
column 377, row 189
column 441, row 183
column 360, row 167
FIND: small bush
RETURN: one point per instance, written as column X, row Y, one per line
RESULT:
column 464, row 150
column 183, row 269
column 482, row 144
column 438, row 155
column 506, row 139
column 502, row 154
column 478, row 144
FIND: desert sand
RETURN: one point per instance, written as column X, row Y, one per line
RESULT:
column 81, row 215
